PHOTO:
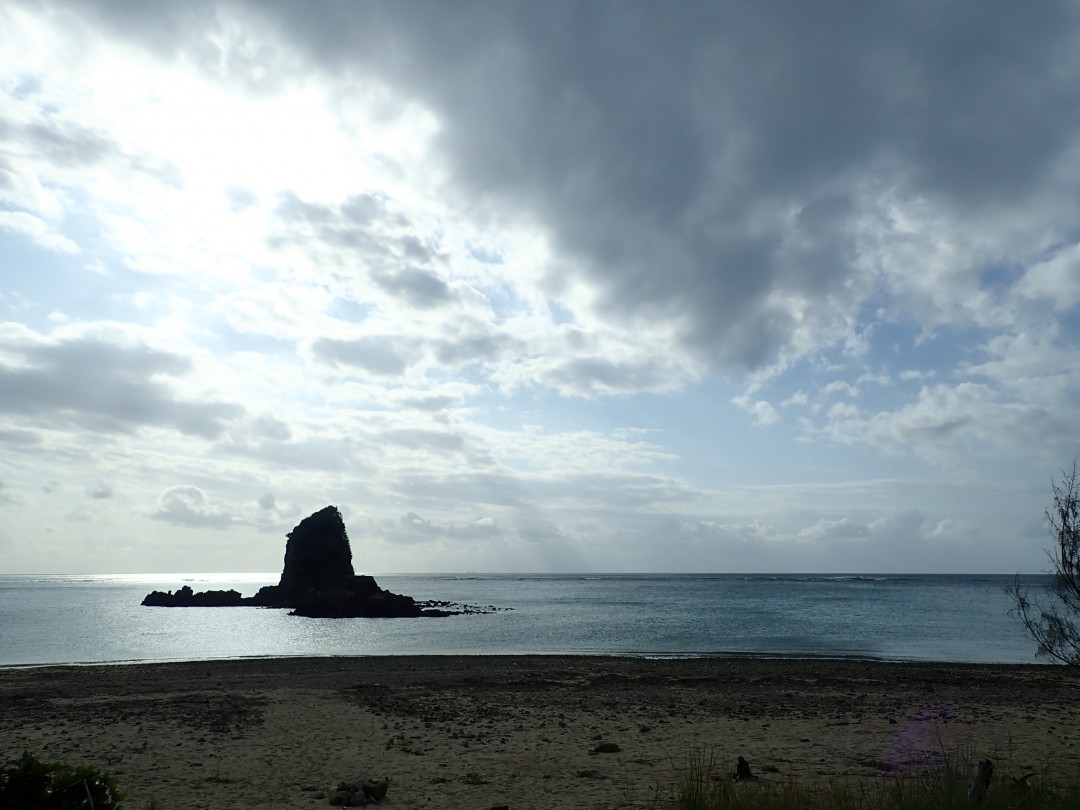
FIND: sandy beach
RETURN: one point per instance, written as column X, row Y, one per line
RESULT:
column 481, row 732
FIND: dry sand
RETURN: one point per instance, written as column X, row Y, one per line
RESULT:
column 478, row 732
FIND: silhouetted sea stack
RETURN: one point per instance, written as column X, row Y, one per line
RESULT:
column 318, row 581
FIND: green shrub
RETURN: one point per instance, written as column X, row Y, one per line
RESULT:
column 30, row 784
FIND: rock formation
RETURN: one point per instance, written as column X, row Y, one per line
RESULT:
column 317, row 555
column 185, row 597
column 318, row 580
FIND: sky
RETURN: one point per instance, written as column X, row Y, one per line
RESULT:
column 538, row 287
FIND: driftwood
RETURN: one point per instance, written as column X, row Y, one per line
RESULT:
column 742, row 772
column 982, row 782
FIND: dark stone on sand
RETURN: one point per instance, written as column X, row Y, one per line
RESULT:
column 340, row 798
column 982, row 782
column 742, row 771
column 318, row 581
column 375, row 788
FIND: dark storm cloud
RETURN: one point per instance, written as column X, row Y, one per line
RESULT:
column 665, row 146
column 104, row 386
column 706, row 163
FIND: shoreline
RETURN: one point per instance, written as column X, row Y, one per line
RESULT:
column 480, row 731
column 729, row 657
column 646, row 656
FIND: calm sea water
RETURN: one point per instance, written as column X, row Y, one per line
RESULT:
column 84, row 619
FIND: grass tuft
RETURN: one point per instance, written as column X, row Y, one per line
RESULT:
column 704, row 784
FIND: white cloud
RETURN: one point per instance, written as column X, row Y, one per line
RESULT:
column 954, row 425
column 38, row 230
column 189, row 506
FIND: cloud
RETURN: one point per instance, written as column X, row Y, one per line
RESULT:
column 188, row 506
column 68, row 145
column 100, row 384
column 419, row 288
column 427, row 261
column 381, row 355
column 763, row 411
column 827, row 528
column 412, row 528
column 38, row 230
column 19, row 438
column 84, row 513
column 691, row 178
column 101, row 491
column 747, row 177
column 593, row 376
column 947, row 424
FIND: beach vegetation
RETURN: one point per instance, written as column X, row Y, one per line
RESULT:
column 873, row 764
column 704, row 784
column 221, row 778
column 1051, row 614
column 30, row 783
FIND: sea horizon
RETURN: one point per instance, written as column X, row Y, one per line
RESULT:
column 98, row 618
column 243, row 575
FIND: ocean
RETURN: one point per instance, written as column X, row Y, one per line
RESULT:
column 959, row 618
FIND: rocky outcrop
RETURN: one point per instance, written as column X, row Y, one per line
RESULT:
column 317, row 555
column 318, row 580
column 185, row 597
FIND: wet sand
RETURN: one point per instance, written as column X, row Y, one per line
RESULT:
column 479, row 732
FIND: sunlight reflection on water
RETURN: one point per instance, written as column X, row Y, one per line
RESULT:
column 97, row 619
